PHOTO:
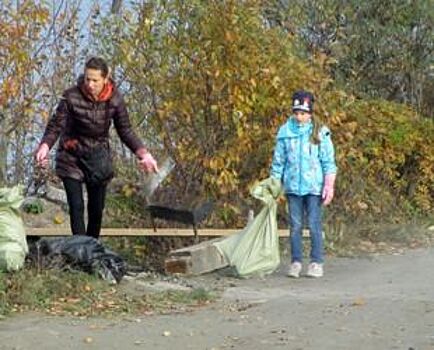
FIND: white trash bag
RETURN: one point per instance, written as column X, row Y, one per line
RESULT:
column 13, row 244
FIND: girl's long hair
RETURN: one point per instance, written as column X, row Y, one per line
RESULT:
column 317, row 124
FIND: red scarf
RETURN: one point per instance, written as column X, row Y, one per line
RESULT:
column 106, row 92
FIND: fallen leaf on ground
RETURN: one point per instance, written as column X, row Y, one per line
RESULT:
column 359, row 302
column 88, row 340
column 59, row 219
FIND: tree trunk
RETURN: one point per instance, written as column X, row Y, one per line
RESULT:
column 3, row 155
column 116, row 6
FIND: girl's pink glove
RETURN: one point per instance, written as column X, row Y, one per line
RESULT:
column 328, row 189
column 146, row 161
column 41, row 155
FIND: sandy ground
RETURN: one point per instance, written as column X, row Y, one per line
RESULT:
column 379, row 302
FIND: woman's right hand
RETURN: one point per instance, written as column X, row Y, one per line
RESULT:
column 41, row 155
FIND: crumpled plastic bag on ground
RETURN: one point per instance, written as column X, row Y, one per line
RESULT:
column 13, row 244
column 255, row 249
column 80, row 253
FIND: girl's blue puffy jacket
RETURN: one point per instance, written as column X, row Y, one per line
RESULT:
column 300, row 164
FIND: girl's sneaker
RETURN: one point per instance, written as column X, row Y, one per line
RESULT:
column 315, row 270
column 295, row 269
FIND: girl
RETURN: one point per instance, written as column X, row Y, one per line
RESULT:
column 305, row 163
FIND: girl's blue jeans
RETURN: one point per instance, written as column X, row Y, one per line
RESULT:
column 298, row 207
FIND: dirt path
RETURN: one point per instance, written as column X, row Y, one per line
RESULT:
column 381, row 302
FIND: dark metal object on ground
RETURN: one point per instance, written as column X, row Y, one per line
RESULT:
column 192, row 215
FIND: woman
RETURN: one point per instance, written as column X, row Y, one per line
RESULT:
column 81, row 122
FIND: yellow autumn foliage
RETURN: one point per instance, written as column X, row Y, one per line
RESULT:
column 217, row 87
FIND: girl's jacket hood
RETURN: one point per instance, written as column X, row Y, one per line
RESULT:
column 300, row 164
column 294, row 129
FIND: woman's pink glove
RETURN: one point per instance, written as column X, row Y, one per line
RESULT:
column 146, row 161
column 328, row 189
column 41, row 155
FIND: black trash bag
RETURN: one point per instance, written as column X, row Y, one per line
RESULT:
column 80, row 253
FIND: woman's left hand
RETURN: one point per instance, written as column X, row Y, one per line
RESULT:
column 146, row 161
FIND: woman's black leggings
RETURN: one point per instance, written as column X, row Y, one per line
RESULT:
column 95, row 206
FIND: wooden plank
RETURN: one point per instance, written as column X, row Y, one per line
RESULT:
column 63, row 231
column 171, row 232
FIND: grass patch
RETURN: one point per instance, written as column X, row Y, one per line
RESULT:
column 174, row 301
column 62, row 293
column 53, row 291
